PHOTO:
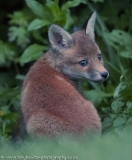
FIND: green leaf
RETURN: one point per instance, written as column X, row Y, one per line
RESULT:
column 121, row 41
column 32, row 53
column 39, row 37
column 126, row 93
column 9, row 96
column 11, row 116
column 20, row 77
column 107, row 122
column 119, row 88
column 128, row 109
column 54, row 9
column 130, row 120
column 6, row 54
column 116, row 106
column 95, row 1
column 19, row 34
column 96, row 96
column 36, row 7
column 19, row 18
column 106, row 110
column 129, row 105
column 119, row 121
column 112, row 116
column 73, row 3
column 37, row 23
column 66, row 12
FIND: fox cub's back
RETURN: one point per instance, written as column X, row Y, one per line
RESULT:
column 50, row 102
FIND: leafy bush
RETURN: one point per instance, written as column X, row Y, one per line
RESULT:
column 24, row 39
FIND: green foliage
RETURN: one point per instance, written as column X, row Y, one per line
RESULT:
column 70, row 148
column 24, row 39
column 37, row 23
column 30, row 53
column 9, row 99
column 121, row 41
column 6, row 54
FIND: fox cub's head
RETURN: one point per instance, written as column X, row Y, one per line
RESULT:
column 77, row 55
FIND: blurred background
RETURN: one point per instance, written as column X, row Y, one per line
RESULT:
column 23, row 39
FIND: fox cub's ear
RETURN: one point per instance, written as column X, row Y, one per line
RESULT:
column 58, row 37
column 90, row 26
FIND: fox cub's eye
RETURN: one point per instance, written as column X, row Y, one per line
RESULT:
column 83, row 63
column 99, row 57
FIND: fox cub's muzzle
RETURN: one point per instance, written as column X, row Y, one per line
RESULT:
column 102, row 76
column 97, row 76
column 105, row 74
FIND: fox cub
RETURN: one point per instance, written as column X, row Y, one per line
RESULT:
column 50, row 102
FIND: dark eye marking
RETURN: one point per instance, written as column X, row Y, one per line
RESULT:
column 99, row 57
column 83, row 63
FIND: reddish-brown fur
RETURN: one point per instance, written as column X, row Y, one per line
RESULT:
column 50, row 102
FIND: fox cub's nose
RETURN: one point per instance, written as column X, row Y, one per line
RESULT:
column 105, row 75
